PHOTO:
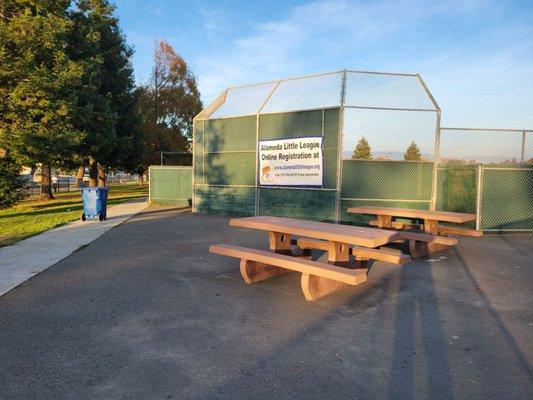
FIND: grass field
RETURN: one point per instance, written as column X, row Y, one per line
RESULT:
column 35, row 216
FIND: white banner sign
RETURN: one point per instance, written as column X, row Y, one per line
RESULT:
column 291, row 162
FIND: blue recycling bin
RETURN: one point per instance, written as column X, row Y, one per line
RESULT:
column 94, row 202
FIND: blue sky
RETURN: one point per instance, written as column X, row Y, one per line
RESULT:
column 476, row 56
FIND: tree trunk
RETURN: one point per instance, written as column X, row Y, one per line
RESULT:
column 46, row 182
column 140, row 180
column 93, row 172
column 79, row 175
column 101, row 175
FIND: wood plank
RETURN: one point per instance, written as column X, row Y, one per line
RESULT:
column 305, row 266
column 381, row 255
column 360, row 253
column 305, row 243
column 452, row 230
column 424, row 237
column 442, row 229
column 447, row 216
column 397, row 225
column 359, row 236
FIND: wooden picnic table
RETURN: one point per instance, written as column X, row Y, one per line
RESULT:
column 319, row 278
column 431, row 219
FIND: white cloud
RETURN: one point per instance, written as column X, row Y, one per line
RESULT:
column 214, row 19
column 333, row 33
column 277, row 47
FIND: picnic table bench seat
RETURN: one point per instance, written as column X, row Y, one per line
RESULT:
column 441, row 229
column 318, row 279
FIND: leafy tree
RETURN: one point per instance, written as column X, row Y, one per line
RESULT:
column 412, row 153
column 168, row 105
column 39, row 85
column 362, row 150
column 112, row 121
column 12, row 184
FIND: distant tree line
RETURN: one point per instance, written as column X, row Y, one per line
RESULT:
column 364, row 152
column 68, row 98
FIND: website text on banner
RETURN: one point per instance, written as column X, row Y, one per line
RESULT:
column 291, row 162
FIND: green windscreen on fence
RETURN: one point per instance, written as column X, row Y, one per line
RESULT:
column 507, row 199
column 313, row 204
column 234, row 201
column 229, row 151
column 171, row 185
column 384, row 183
column 225, row 177
column 457, row 190
column 225, row 165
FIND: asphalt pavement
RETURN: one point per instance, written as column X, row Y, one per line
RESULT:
column 145, row 312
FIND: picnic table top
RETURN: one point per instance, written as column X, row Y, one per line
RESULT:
column 447, row 216
column 353, row 235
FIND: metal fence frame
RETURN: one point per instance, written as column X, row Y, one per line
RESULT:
column 481, row 168
column 204, row 116
column 218, row 102
column 151, row 168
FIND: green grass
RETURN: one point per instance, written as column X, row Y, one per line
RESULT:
column 33, row 216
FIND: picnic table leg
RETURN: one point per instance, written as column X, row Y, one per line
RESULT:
column 253, row 271
column 431, row 226
column 384, row 221
column 315, row 287
column 339, row 254
column 280, row 242
column 420, row 249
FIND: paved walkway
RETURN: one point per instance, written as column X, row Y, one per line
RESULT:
column 28, row 257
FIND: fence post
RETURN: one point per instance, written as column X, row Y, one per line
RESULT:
column 478, row 196
column 434, row 186
column 523, row 152
column 433, row 203
column 257, row 172
column 340, row 138
column 150, row 183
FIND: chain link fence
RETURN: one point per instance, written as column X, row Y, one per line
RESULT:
column 385, row 115
column 170, row 185
column 488, row 172
column 382, row 145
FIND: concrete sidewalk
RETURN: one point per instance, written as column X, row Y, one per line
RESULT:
column 22, row 260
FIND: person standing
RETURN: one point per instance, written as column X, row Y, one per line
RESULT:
column 55, row 182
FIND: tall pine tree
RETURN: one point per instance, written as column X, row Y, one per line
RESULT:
column 412, row 153
column 362, row 150
column 39, row 85
column 101, row 45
